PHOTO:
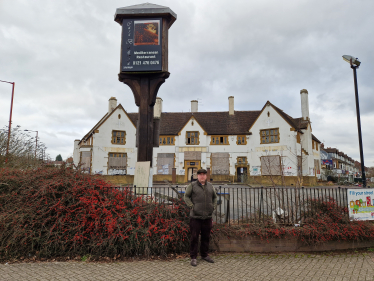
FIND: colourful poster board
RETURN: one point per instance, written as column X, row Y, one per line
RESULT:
column 361, row 204
column 327, row 162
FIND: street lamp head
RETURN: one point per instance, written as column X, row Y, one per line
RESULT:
column 351, row 60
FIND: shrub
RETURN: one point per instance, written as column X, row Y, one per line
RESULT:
column 324, row 221
column 329, row 222
column 59, row 212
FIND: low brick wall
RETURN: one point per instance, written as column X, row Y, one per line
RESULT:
column 222, row 178
column 254, row 244
column 268, row 180
column 279, row 180
column 162, row 178
column 263, row 180
column 123, row 180
column 129, row 179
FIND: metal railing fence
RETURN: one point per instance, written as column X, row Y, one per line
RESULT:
column 238, row 205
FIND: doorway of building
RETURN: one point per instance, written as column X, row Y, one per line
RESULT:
column 241, row 173
column 192, row 174
column 191, row 168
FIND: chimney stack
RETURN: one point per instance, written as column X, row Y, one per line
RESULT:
column 194, row 105
column 304, row 104
column 231, row 105
column 112, row 104
column 158, row 108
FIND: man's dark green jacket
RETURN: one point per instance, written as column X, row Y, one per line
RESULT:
column 202, row 199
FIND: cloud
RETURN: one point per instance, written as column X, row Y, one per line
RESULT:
column 64, row 57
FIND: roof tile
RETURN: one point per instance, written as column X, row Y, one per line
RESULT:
column 213, row 123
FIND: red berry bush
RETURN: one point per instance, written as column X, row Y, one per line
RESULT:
column 59, row 212
column 323, row 221
column 331, row 223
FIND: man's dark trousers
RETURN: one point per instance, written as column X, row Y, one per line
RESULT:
column 203, row 227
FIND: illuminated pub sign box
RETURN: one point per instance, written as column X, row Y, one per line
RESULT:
column 141, row 45
column 144, row 37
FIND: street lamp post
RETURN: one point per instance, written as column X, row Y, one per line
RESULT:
column 36, row 144
column 10, row 119
column 355, row 63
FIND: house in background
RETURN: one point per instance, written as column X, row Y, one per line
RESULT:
column 253, row 146
column 337, row 164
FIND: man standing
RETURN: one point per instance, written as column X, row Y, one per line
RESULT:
column 201, row 197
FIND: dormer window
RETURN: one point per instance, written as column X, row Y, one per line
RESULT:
column 192, row 138
column 269, row 136
column 118, row 137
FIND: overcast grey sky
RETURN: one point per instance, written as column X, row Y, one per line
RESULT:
column 64, row 57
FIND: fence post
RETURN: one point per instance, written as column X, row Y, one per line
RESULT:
column 237, row 203
column 302, row 188
column 288, row 207
column 262, row 188
column 246, row 204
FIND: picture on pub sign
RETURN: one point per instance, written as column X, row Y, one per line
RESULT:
column 147, row 32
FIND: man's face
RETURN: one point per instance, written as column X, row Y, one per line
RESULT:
column 201, row 177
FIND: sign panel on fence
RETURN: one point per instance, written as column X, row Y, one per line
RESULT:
column 361, row 204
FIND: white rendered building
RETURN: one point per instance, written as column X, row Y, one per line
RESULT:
column 232, row 145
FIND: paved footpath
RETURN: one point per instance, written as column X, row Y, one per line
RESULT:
column 232, row 267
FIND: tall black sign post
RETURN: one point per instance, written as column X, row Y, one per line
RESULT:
column 144, row 63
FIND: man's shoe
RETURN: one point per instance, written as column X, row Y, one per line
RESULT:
column 208, row 259
column 194, row 262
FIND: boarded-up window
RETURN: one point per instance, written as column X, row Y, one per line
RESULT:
column 86, row 160
column 117, row 163
column 165, row 163
column 192, row 155
column 270, row 165
column 220, row 163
